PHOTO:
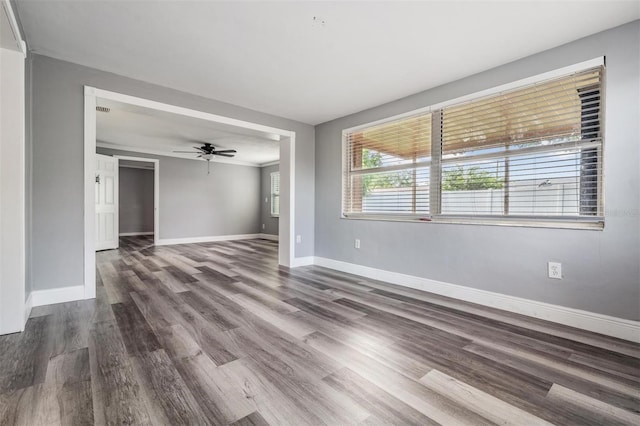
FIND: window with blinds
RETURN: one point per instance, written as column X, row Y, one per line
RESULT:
column 531, row 153
column 388, row 168
column 275, row 194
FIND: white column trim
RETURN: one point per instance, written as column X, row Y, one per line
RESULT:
column 89, row 196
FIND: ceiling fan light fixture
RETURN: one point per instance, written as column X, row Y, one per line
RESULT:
column 207, row 157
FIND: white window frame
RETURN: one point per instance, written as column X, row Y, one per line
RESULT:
column 584, row 222
column 274, row 194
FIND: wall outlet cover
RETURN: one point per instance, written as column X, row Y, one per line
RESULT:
column 555, row 270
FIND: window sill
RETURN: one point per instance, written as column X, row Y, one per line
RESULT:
column 275, row 216
column 595, row 225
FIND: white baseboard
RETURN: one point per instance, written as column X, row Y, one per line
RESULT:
column 57, row 295
column 134, row 234
column 269, row 237
column 192, row 240
column 598, row 323
column 27, row 307
column 303, row 261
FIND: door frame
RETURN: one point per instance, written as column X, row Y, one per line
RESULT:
column 286, row 247
column 156, row 192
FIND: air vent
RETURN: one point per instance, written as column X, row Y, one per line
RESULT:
column 102, row 109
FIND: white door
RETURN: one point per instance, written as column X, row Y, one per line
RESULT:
column 106, row 202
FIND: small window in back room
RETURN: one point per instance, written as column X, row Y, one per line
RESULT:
column 275, row 194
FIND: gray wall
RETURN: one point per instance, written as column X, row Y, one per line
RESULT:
column 57, row 176
column 194, row 204
column 270, row 223
column 601, row 268
column 135, row 190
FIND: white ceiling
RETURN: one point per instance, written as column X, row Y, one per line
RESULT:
column 275, row 57
column 135, row 128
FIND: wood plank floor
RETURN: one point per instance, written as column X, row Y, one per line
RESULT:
column 216, row 334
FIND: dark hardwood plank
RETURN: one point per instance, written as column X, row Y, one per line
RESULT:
column 218, row 395
column 116, row 393
column 24, row 363
column 330, row 405
column 209, row 311
column 267, row 398
column 136, row 333
column 169, row 399
column 624, row 397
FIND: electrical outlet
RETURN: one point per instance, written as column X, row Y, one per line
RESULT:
column 555, row 270
column 266, row 200
column 357, row 243
column 298, row 239
column 263, row 226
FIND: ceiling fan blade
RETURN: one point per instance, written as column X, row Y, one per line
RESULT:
column 223, row 155
column 187, row 152
column 226, row 151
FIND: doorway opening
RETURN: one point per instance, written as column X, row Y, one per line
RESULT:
column 285, row 138
column 138, row 199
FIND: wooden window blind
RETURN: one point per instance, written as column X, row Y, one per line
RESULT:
column 387, row 168
column 535, row 151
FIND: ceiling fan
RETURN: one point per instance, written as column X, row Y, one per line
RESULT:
column 207, row 151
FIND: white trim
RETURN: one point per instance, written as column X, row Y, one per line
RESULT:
column 132, row 100
column 303, row 261
column 142, row 150
column 27, row 307
column 292, row 198
column 134, row 234
column 287, row 143
column 597, row 323
column 131, row 166
column 269, row 237
column 156, row 192
column 58, row 295
column 89, row 197
column 214, row 238
column 272, row 163
column 581, row 66
column 13, row 22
